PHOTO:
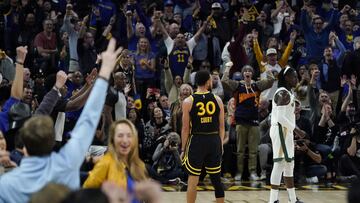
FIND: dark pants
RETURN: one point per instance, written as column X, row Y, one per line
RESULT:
column 164, row 177
column 316, row 170
column 349, row 165
column 329, row 158
column 142, row 85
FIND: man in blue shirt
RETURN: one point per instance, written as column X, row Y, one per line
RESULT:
column 40, row 165
column 316, row 34
column 102, row 12
column 16, row 89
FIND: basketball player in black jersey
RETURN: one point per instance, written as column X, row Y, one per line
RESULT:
column 202, row 136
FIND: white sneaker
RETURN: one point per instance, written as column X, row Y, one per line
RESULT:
column 315, row 179
column 254, row 176
column 312, row 180
column 237, row 177
column 263, row 175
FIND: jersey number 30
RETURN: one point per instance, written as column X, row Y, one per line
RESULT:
column 209, row 108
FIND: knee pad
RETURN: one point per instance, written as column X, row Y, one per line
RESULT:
column 219, row 187
column 289, row 169
column 276, row 173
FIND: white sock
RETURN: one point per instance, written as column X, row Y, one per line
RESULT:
column 273, row 195
column 292, row 195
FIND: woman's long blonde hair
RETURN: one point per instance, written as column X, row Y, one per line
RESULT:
column 134, row 164
column 148, row 49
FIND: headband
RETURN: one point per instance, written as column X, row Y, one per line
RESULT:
column 286, row 69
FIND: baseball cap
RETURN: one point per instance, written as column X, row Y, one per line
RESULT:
column 271, row 51
column 169, row 3
column 216, row 5
column 356, row 39
column 237, row 76
column 18, row 114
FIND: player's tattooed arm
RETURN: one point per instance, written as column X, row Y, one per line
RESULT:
column 282, row 98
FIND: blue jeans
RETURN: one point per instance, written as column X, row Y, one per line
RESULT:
column 324, row 150
column 331, row 162
column 316, row 170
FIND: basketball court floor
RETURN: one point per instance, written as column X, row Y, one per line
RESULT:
column 257, row 192
column 306, row 196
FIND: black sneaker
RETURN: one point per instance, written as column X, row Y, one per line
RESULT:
column 298, row 201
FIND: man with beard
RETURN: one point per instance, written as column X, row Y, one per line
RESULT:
column 316, row 34
column 115, row 103
column 179, row 50
column 46, row 44
column 347, row 35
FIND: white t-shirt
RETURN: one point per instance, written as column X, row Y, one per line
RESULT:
column 169, row 43
column 120, row 106
column 278, row 22
column 269, row 93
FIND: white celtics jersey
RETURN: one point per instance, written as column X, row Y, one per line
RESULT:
column 282, row 126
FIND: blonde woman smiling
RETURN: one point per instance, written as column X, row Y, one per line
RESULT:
column 121, row 164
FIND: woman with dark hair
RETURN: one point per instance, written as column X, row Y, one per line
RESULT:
column 156, row 130
column 283, row 123
column 135, row 117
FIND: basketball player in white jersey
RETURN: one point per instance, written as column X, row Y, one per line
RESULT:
column 281, row 133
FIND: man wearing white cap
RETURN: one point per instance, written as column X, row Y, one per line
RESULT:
column 272, row 63
column 216, row 5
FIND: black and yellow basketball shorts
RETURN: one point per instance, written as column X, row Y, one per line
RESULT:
column 203, row 150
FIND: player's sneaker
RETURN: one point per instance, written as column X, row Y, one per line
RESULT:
column 263, row 175
column 297, row 201
column 237, row 177
column 227, row 175
column 174, row 181
column 254, row 176
column 312, row 180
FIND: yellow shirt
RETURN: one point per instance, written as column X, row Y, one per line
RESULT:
column 260, row 57
column 106, row 169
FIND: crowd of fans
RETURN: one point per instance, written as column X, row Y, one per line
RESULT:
column 51, row 54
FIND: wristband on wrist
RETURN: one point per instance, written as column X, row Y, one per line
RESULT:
column 19, row 63
column 57, row 90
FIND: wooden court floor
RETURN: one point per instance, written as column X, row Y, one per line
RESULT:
column 257, row 191
column 307, row 196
